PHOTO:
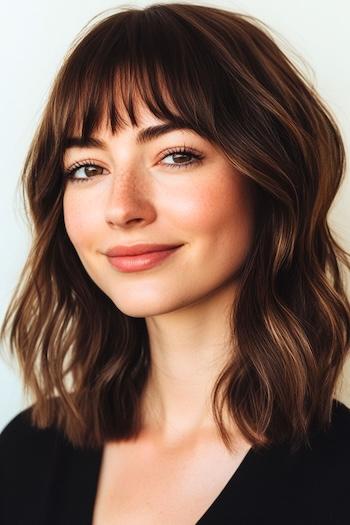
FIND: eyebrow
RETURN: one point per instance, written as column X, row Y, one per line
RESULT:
column 143, row 136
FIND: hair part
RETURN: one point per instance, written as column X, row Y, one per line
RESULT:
column 84, row 362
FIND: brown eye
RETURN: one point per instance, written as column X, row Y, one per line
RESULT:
column 182, row 158
column 83, row 172
column 92, row 170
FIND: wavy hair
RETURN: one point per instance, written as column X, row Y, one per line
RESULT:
column 223, row 75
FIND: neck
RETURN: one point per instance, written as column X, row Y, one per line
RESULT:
column 189, row 349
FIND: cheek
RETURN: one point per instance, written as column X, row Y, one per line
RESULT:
column 228, row 224
column 222, row 207
column 79, row 223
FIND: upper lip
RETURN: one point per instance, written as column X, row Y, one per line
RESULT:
column 138, row 249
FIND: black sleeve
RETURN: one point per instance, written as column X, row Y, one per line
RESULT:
column 27, row 462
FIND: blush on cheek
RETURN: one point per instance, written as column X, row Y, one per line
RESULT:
column 81, row 217
column 196, row 208
column 75, row 227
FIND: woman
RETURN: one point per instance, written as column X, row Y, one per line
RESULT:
column 181, row 321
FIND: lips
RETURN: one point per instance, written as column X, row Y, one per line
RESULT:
column 139, row 249
column 141, row 258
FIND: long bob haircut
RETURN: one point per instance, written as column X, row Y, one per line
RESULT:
column 83, row 361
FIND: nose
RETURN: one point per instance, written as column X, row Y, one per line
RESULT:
column 129, row 201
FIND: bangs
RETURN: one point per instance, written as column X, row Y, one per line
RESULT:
column 142, row 57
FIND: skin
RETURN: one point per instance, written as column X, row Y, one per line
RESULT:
column 209, row 208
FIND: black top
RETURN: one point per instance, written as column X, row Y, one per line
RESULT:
column 45, row 480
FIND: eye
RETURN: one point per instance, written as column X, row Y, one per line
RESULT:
column 183, row 157
column 82, row 171
column 179, row 156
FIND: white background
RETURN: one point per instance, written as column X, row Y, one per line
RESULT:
column 34, row 37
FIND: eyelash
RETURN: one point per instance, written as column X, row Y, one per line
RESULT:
column 69, row 174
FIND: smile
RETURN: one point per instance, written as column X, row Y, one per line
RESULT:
column 145, row 261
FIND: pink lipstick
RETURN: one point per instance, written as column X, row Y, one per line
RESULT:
column 140, row 256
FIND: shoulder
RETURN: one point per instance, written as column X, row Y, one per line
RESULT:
column 19, row 424
column 43, row 475
column 320, row 473
column 22, row 444
column 20, row 435
column 28, row 457
column 329, row 449
column 336, row 438
column 310, row 485
column 341, row 418
column 329, row 453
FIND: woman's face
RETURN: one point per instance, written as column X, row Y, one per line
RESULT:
column 140, row 192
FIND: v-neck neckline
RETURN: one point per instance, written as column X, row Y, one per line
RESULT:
column 78, row 471
column 259, row 466
column 248, row 461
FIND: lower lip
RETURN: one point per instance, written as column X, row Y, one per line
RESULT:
column 136, row 263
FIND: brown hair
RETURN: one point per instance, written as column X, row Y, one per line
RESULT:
column 231, row 83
